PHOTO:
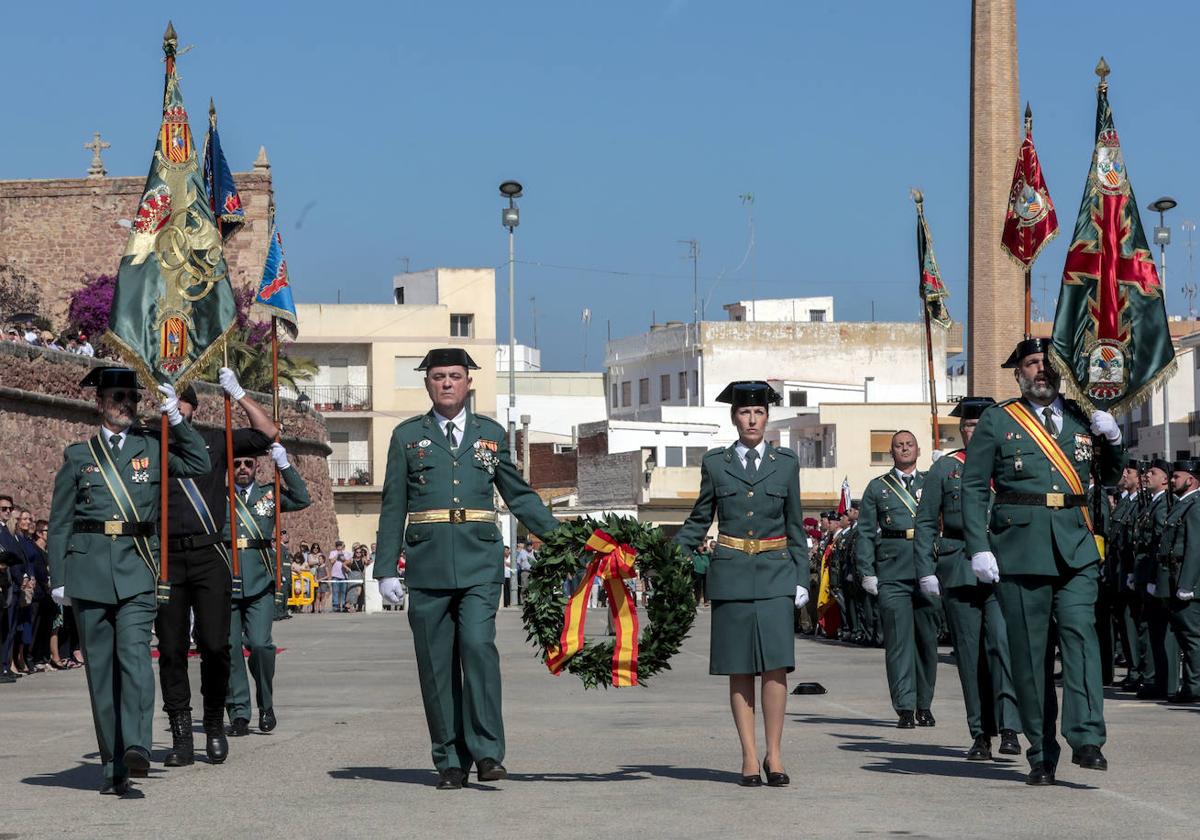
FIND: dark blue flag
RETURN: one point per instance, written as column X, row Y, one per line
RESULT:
column 275, row 288
column 222, row 192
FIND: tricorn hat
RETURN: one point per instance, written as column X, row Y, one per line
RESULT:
column 971, row 408
column 447, row 357
column 1187, row 465
column 1162, row 464
column 1026, row 347
column 749, row 392
column 110, row 377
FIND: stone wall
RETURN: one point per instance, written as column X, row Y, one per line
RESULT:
column 56, row 231
column 42, row 409
column 606, row 481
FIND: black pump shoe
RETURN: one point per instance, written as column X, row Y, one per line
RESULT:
column 751, row 781
column 776, row 779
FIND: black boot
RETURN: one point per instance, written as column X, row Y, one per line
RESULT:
column 182, row 751
column 214, row 740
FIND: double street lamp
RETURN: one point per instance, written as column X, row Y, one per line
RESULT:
column 510, row 217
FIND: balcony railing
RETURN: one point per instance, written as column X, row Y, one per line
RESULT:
column 334, row 397
column 350, row 473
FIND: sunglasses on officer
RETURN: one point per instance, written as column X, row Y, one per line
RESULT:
column 121, row 395
column 243, row 462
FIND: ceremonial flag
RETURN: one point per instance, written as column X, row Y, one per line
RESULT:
column 223, row 196
column 932, row 290
column 829, row 614
column 1030, row 221
column 1111, row 341
column 275, row 288
column 173, row 302
column 844, row 499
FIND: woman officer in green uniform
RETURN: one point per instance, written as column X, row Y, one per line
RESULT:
column 754, row 577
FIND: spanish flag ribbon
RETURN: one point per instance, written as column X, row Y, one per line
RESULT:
column 613, row 564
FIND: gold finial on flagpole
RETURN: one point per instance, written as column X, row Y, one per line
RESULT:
column 1102, row 70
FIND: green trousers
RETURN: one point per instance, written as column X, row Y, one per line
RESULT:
column 116, row 645
column 1164, row 650
column 1031, row 603
column 1185, row 622
column 454, row 633
column 250, row 627
column 981, row 654
column 910, row 633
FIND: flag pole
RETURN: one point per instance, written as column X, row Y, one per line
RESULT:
column 163, row 593
column 1028, row 302
column 278, row 435
column 933, row 410
column 233, row 518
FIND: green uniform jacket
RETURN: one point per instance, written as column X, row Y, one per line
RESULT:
column 886, row 558
column 1148, row 530
column 103, row 569
column 424, row 474
column 1120, row 540
column 257, row 565
column 938, row 544
column 1002, row 451
column 759, row 507
column 1186, row 546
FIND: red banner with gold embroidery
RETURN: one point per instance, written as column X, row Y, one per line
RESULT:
column 1030, row 221
column 613, row 564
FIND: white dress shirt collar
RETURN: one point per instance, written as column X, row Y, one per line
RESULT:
column 741, row 449
column 1188, row 493
column 459, row 421
column 108, row 434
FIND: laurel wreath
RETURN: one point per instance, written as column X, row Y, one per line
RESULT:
column 671, row 609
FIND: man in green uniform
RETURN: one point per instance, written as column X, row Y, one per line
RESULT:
column 908, row 602
column 1179, row 572
column 976, row 622
column 285, row 589
column 1160, row 670
column 254, row 609
column 103, row 552
column 1034, row 538
column 1119, row 547
column 443, row 470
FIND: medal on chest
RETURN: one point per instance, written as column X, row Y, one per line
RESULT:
column 266, row 505
column 485, row 454
column 141, row 470
column 1083, row 447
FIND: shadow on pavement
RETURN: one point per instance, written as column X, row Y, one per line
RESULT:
column 631, row 773
column 84, row 776
column 870, row 744
column 824, row 720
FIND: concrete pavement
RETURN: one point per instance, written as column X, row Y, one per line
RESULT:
column 351, row 757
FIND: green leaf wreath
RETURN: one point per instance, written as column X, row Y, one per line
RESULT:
column 671, row 609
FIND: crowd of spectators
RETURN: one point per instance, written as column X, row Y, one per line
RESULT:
column 339, row 575
column 36, row 635
column 76, row 343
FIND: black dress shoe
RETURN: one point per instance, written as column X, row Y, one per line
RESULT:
column 981, row 750
column 906, row 720
column 490, row 770
column 1129, row 684
column 1009, row 745
column 266, row 720
column 1089, row 757
column 925, row 718
column 1039, row 776
column 452, row 778
column 137, row 760
column 1183, row 698
column 1149, row 692
column 751, row 781
column 120, row 787
column 215, row 745
column 239, row 727
column 776, row 779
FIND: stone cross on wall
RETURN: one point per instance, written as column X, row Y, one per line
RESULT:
column 97, row 170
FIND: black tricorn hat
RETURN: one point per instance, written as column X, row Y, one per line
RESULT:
column 1162, row 464
column 1026, row 347
column 110, row 377
column 749, row 392
column 188, row 395
column 970, row 408
column 447, row 357
column 854, row 504
column 1187, row 465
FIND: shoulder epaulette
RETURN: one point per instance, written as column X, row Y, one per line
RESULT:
column 783, row 450
column 1006, row 402
column 487, row 420
column 415, row 418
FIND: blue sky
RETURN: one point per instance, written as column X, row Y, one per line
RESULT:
column 631, row 124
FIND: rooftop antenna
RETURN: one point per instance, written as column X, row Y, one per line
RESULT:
column 748, row 202
column 1189, row 288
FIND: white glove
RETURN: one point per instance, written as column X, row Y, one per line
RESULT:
column 929, row 585
column 985, row 567
column 1151, row 589
column 229, row 383
column 937, row 453
column 1104, row 424
column 391, row 590
column 801, row 597
column 59, row 594
column 170, row 405
column 870, row 584
column 1185, row 595
column 279, row 456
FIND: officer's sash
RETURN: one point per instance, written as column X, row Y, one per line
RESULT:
column 246, row 517
column 902, row 494
column 207, row 521
column 1053, row 452
column 126, row 509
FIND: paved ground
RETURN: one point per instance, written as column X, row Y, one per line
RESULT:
column 351, row 758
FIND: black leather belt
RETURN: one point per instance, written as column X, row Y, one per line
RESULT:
column 113, row 528
column 1050, row 500
column 953, row 534
column 893, row 534
column 191, row 541
column 244, row 543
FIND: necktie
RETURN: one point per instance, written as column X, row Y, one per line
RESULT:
column 908, row 480
column 1048, row 417
column 450, row 435
column 751, row 461
column 114, row 445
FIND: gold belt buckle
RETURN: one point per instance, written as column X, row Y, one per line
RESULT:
column 458, row 516
column 112, row 528
column 242, row 543
column 909, row 532
column 1056, row 500
column 751, row 546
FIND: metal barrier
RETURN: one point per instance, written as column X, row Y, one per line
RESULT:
column 304, row 589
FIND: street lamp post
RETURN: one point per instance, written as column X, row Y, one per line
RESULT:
column 1162, row 238
column 510, row 217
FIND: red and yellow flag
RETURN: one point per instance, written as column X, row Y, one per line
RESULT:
column 1030, row 221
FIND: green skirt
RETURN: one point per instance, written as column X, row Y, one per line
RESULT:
column 750, row 637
